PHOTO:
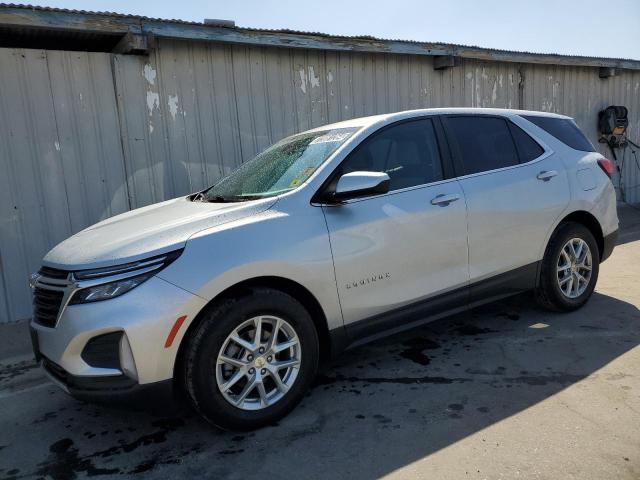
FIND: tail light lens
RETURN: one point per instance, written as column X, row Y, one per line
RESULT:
column 607, row 166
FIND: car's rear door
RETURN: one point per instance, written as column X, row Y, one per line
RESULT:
column 400, row 250
column 515, row 190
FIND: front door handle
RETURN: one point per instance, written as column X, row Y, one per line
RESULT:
column 443, row 200
column 546, row 175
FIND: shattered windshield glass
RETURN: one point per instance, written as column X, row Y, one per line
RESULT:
column 280, row 168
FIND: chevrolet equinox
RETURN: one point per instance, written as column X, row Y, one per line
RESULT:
column 326, row 239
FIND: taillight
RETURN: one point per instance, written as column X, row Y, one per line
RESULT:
column 607, row 166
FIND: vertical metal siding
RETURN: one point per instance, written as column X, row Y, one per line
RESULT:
column 84, row 136
column 60, row 158
column 88, row 135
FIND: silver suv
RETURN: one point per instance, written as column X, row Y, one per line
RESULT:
column 325, row 240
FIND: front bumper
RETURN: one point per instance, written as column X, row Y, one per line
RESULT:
column 105, row 388
column 141, row 318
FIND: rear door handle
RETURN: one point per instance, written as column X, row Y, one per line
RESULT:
column 546, row 175
column 443, row 200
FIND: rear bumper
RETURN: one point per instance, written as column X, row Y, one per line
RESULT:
column 608, row 245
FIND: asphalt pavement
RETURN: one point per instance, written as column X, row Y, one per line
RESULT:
column 505, row 391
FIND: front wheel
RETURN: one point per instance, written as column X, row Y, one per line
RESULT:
column 251, row 360
column 569, row 270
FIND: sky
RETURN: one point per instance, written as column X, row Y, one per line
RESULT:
column 572, row 27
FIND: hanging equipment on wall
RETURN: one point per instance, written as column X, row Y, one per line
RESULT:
column 612, row 127
column 612, row 124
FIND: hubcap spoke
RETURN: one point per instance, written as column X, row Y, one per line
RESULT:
column 576, row 285
column 578, row 252
column 284, row 345
column 251, row 384
column 274, row 334
column 233, row 380
column 278, row 381
column 565, row 280
column 232, row 361
column 286, row 364
column 263, row 394
column 242, row 342
column 258, row 334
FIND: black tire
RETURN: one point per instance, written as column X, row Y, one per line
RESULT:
column 548, row 292
column 205, row 343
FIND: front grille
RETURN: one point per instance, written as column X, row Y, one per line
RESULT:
column 46, row 305
column 53, row 273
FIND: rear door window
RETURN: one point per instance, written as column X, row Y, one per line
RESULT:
column 563, row 129
column 480, row 143
column 528, row 148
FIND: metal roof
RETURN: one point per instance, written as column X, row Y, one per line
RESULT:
column 23, row 18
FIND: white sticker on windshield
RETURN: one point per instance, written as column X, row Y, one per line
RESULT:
column 331, row 137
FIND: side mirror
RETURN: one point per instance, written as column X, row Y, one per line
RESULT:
column 360, row 184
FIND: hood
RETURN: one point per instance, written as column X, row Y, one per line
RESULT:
column 145, row 232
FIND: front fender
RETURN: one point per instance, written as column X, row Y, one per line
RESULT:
column 274, row 243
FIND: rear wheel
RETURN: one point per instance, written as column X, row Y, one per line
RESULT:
column 251, row 360
column 569, row 268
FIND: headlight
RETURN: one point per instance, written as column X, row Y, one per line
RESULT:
column 108, row 290
column 111, row 282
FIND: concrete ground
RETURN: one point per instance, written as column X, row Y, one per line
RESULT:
column 506, row 391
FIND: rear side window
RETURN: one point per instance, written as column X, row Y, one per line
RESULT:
column 528, row 148
column 481, row 143
column 407, row 152
column 564, row 130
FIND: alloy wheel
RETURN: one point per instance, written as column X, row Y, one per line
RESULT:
column 258, row 363
column 574, row 268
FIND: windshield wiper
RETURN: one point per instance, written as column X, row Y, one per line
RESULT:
column 221, row 199
column 216, row 199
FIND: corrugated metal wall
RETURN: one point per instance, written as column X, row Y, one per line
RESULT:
column 61, row 163
column 84, row 136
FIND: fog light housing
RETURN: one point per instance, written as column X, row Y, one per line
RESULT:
column 103, row 351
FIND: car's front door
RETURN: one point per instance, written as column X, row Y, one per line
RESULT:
column 400, row 250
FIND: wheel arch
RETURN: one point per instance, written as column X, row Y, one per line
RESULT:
column 285, row 285
column 588, row 220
